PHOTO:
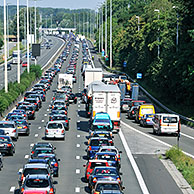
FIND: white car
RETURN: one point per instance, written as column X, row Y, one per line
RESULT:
column 55, row 129
column 10, row 129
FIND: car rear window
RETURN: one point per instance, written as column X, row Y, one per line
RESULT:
column 95, row 164
column 146, row 111
column 109, row 186
column 170, row 120
column 4, row 125
column 106, row 157
column 31, row 101
column 106, row 172
column 98, row 142
column 35, row 171
column 37, row 183
column 55, row 126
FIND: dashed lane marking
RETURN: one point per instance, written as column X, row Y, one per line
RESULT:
column 48, row 110
column 77, row 171
column 77, row 157
column 78, row 135
column 42, row 121
column 77, row 189
column 12, row 189
column 78, row 145
column 45, row 115
column 36, row 135
column 78, row 121
column 27, row 156
column 39, row 127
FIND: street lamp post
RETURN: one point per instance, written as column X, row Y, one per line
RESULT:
column 28, row 50
column 102, row 30
column 157, row 10
column 105, row 27
column 8, row 30
column 99, row 31
column 138, row 22
column 177, row 29
column 110, row 33
column 5, row 48
column 18, row 42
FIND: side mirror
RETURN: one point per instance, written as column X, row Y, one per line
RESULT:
column 55, row 182
column 120, row 152
column 29, row 123
column 69, row 118
column 59, row 160
column 19, row 173
column 84, row 165
column 123, row 188
column 112, row 136
column 121, row 173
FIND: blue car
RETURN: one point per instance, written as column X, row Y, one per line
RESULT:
column 53, row 162
column 95, row 144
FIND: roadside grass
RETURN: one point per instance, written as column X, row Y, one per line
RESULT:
column 183, row 163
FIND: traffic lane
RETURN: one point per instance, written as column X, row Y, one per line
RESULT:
column 159, row 180
column 42, row 60
column 185, row 143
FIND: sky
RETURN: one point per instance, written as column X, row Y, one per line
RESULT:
column 69, row 4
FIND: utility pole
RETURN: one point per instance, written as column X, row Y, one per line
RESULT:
column 102, row 30
column 87, row 23
column 18, row 42
column 106, row 28
column 8, row 29
column 157, row 10
column 99, row 32
column 110, row 33
column 28, row 50
column 5, row 47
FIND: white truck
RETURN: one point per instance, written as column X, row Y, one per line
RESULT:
column 107, row 98
column 65, row 80
column 15, row 57
column 92, row 74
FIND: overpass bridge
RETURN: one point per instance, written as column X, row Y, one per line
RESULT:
column 59, row 30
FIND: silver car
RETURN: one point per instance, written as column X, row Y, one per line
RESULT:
column 38, row 182
column 10, row 129
column 55, row 129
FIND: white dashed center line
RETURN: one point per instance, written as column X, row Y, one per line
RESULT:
column 36, row 135
column 77, row 171
column 77, row 157
column 78, row 121
column 78, row 145
column 42, row 121
column 47, row 110
column 78, row 135
column 39, row 127
column 77, row 189
column 45, row 115
column 26, row 156
column 12, row 189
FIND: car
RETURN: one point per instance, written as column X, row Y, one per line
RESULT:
column 8, row 67
column 100, row 127
column 16, row 117
column 110, row 157
column 6, row 145
column 29, row 109
column 23, row 127
column 107, row 185
column 24, row 64
column 59, row 117
column 72, row 98
column 53, row 162
column 38, row 182
column 147, row 120
column 41, row 150
column 33, row 168
column 58, row 103
column 131, row 113
column 90, row 166
column 125, row 104
column 95, row 144
column 33, row 101
column 55, row 129
column 104, row 173
column 10, row 129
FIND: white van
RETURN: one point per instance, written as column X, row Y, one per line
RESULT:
column 166, row 123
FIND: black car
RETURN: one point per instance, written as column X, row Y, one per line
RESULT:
column 30, row 110
column 6, row 145
column 72, row 98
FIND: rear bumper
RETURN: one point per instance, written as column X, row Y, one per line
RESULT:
column 54, row 135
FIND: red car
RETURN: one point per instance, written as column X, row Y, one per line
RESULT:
column 24, row 64
column 91, row 164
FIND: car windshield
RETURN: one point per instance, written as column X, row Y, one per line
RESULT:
column 95, row 164
column 54, row 126
column 21, row 122
column 101, row 127
column 37, row 183
column 35, row 171
column 29, row 108
column 98, row 142
column 46, row 151
column 31, row 101
column 59, row 118
column 59, row 103
column 108, row 186
column 109, row 150
column 102, row 121
column 106, row 157
column 16, row 117
column 147, row 111
column 6, row 125
column 105, row 172
column 170, row 119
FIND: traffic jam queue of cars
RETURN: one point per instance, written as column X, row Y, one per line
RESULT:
column 37, row 174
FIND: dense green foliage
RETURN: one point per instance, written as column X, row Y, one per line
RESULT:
column 171, row 76
column 183, row 163
column 16, row 89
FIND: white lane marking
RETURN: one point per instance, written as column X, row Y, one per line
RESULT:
column 77, row 189
column 78, row 145
column 32, row 144
column 77, row 157
column 27, row 156
column 36, row 135
column 133, row 164
column 77, row 171
column 79, row 135
column 39, row 127
column 153, row 138
column 42, row 121
column 78, row 110
column 47, row 110
column 78, row 106
column 12, row 189
column 78, row 121
column 183, row 134
column 45, row 115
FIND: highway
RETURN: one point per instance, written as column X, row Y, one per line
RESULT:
column 42, row 60
column 72, row 153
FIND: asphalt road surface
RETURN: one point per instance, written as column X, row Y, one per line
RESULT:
column 72, row 151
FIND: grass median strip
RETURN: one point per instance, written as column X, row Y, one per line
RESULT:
column 183, row 163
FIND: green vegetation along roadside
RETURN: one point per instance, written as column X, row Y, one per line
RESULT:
column 15, row 89
column 183, row 163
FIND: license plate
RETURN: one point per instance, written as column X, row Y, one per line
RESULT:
column 19, row 127
column 1, row 145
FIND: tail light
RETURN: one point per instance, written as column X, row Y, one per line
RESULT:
column 75, row 97
column 53, row 98
column 160, row 121
column 25, row 115
column 51, row 119
column 43, row 95
column 25, row 127
column 44, row 90
column 116, row 123
column 110, row 141
column 55, row 165
column 9, row 145
column 119, row 180
column 66, row 121
column 46, row 130
column 35, row 103
column 33, row 112
column 94, row 180
column 22, row 190
column 32, row 152
column 147, row 119
column 94, row 112
column 89, row 148
column 51, row 191
column 62, row 131
column 25, row 98
column 133, row 112
column 14, row 131
column 118, row 114
column 22, row 177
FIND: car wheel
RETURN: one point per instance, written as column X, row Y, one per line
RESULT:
column 154, row 131
column 11, row 153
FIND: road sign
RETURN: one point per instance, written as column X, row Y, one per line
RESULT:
column 139, row 75
column 125, row 64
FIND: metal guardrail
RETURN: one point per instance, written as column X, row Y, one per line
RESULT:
column 146, row 93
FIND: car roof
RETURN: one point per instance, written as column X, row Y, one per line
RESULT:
column 107, row 181
column 7, row 122
column 36, row 165
column 106, row 153
column 167, row 114
column 45, row 154
column 97, row 161
column 36, row 176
